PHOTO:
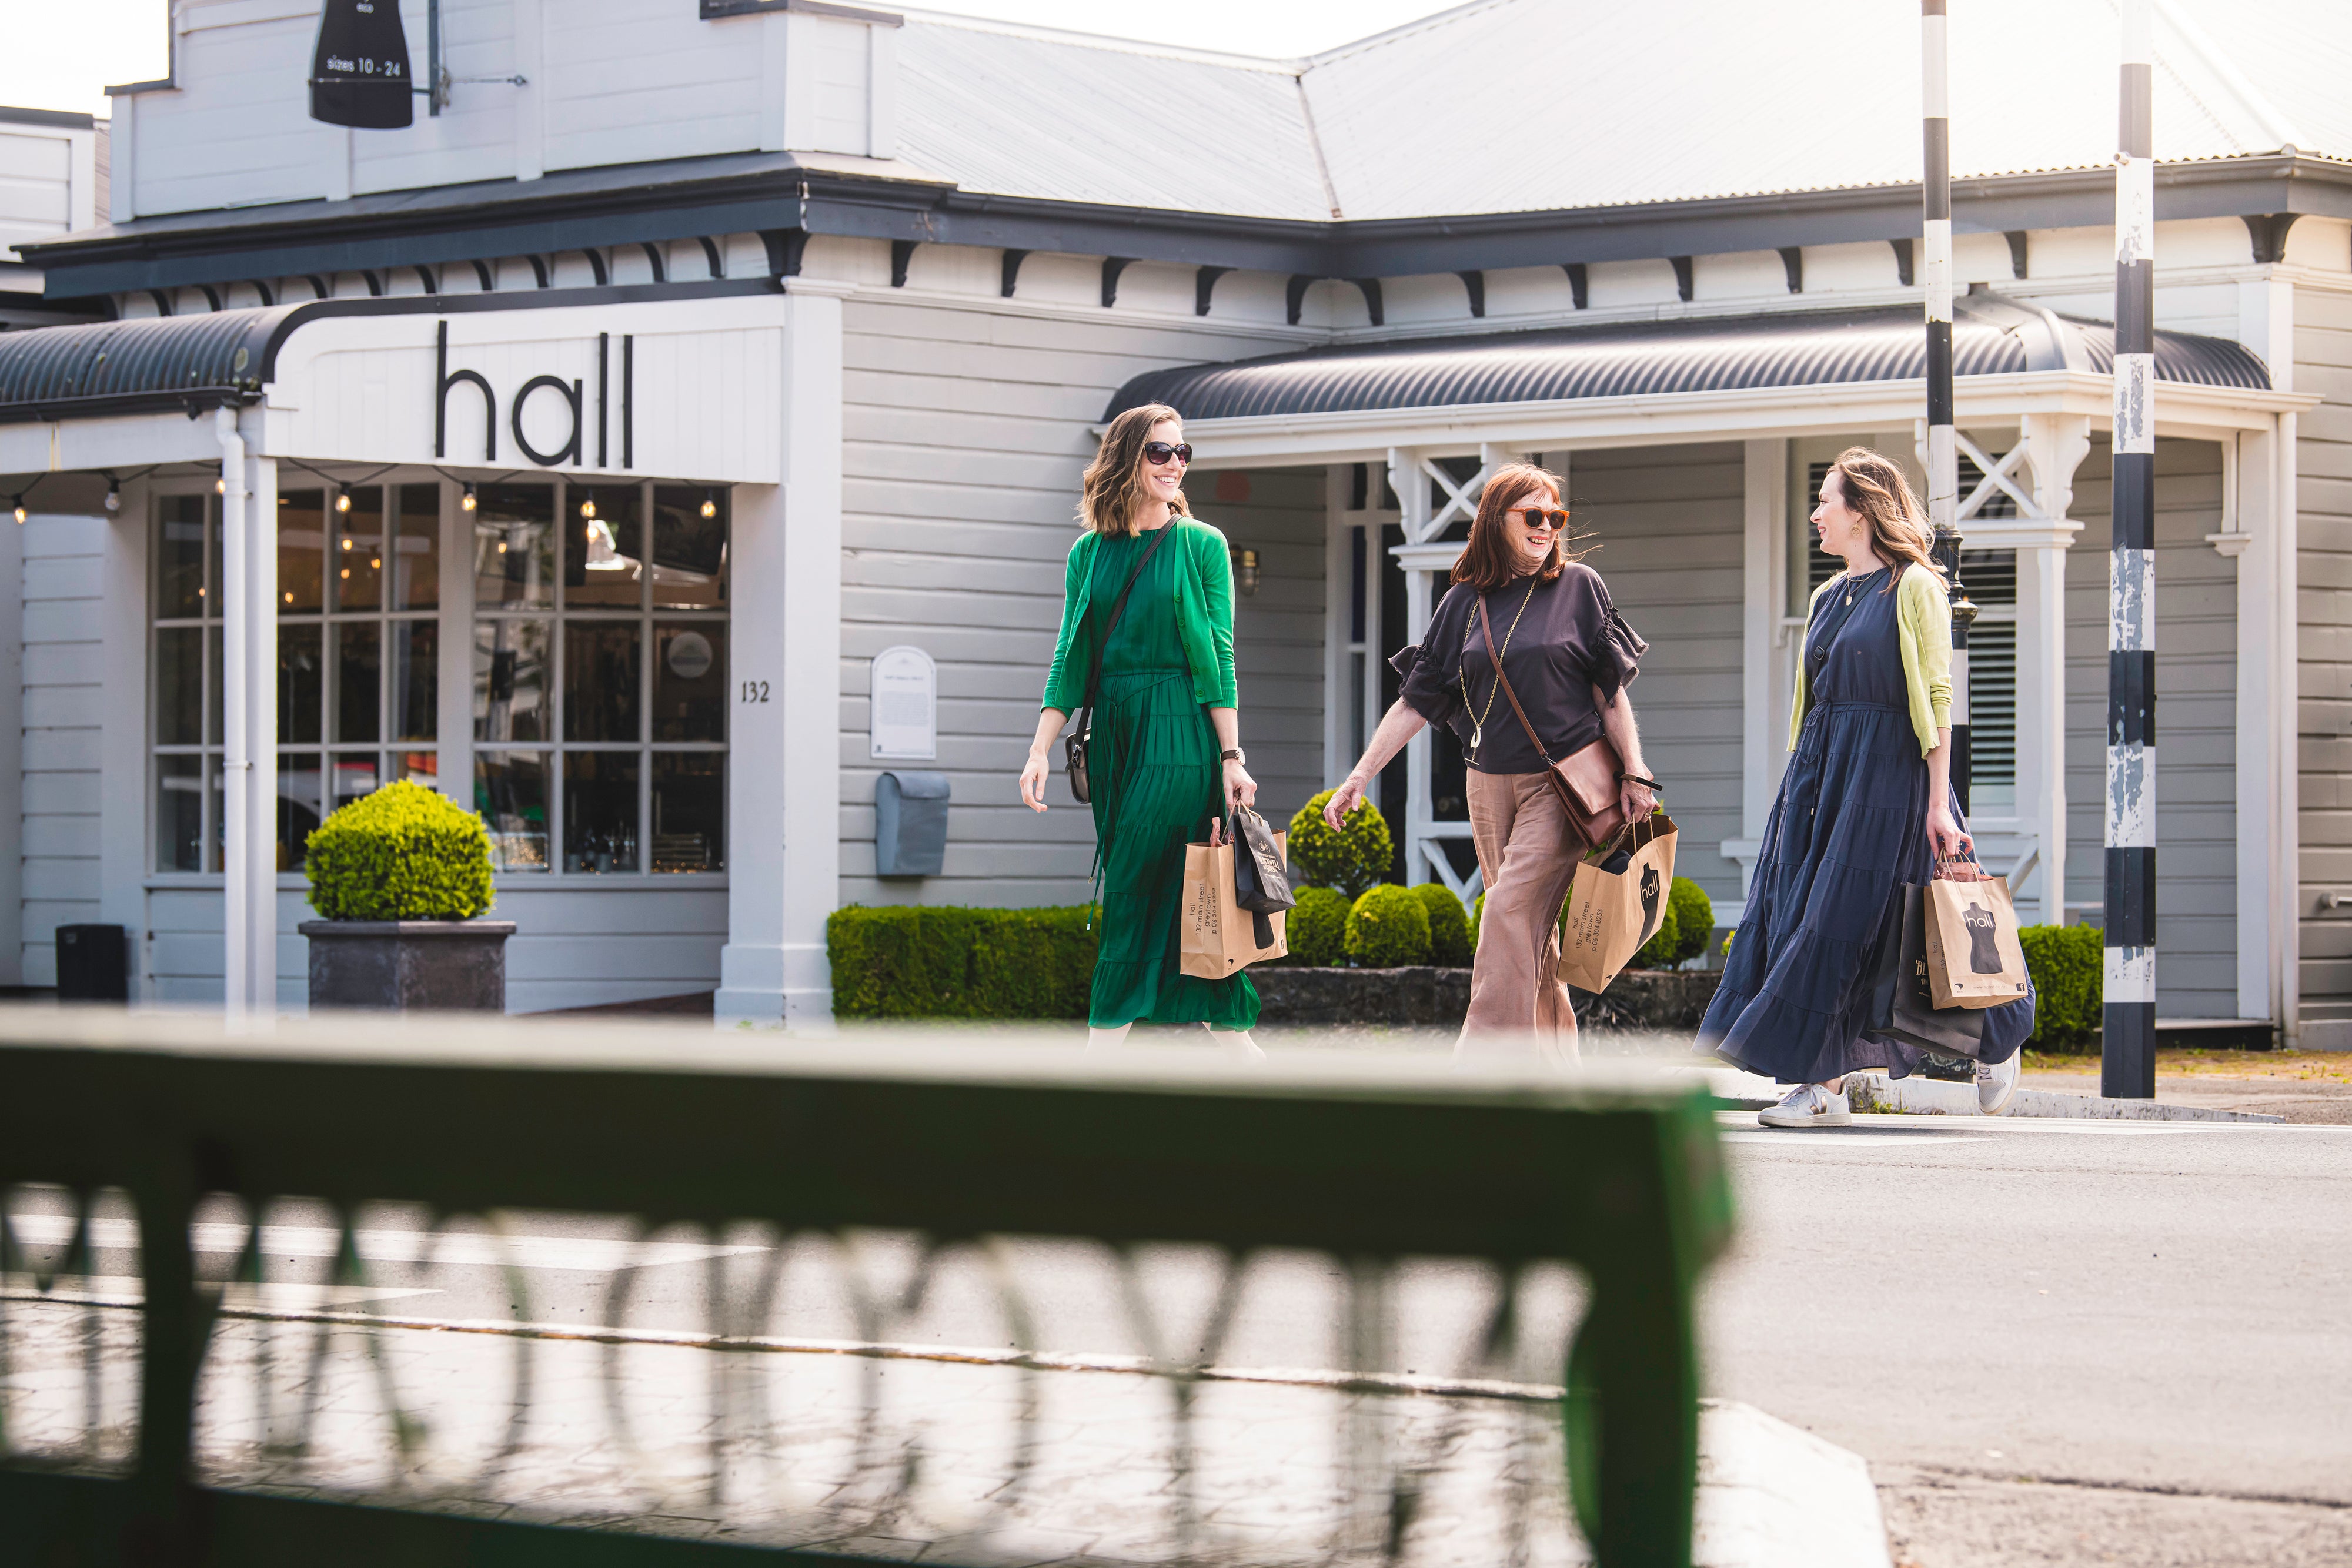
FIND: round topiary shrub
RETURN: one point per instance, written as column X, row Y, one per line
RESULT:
column 1351, row 859
column 1477, row 913
column 1449, row 927
column 402, row 853
column 1693, row 917
column 1659, row 950
column 1388, row 928
column 1317, row 929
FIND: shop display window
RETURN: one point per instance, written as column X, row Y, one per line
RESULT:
column 600, row 676
column 184, row 694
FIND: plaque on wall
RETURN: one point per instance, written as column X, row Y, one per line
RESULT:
column 905, row 706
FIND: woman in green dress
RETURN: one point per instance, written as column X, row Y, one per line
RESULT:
column 1166, row 760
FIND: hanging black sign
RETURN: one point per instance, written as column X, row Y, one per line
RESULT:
column 359, row 72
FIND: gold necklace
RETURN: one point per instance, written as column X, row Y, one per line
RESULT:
column 1478, row 721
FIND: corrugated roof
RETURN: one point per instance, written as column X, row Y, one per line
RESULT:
column 1532, row 105
column 167, row 361
column 1656, row 358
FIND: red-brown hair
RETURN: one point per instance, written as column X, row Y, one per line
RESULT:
column 1492, row 559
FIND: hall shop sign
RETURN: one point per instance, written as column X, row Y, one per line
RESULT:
column 689, row 389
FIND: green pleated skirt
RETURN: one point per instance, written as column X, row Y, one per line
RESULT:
column 1161, row 793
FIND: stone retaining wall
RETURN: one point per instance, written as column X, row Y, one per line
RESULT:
column 1640, row 998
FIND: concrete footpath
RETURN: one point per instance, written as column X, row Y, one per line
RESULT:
column 1876, row 1093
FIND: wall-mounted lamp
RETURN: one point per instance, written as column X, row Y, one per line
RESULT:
column 1245, row 576
column 466, row 502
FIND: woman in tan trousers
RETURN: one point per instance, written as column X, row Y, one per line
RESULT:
column 1568, row 656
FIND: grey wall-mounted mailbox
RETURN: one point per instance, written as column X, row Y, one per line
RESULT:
column 910, row 824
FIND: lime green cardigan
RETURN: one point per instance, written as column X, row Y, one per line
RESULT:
column 1923, row 622
column 1204, row 616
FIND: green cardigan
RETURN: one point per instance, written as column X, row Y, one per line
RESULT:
column 1204, row 616
column 1923, row 625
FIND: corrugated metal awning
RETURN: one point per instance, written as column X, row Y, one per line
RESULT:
column 190, row 363
column 1990, row 337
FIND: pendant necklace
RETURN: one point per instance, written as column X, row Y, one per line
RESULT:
column 1478, row 721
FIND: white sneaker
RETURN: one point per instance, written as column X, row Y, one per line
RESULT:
column 1811, row 1105
column 1997, row 1086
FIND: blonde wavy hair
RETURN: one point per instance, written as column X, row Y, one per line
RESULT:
column 1114, row 480
column 1874, row 485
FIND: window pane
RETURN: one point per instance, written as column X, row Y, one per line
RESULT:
column 417, row 767
column 690, row 549
column 604, row 555
column 690, row 810
column 298, row 684
column 358, row 562
column 214, row 695
column 415, row 680
column 179, row 685
column 511, row 680
column 180, row 557
column 599, row 811
column 298, row 806
column 351, row 776
column 690, row 681
column 301, row 550
column 514, row 547
column 179, row 813
column 600, row 680
column 510, row 792
column 359, row 681
column 416, row 554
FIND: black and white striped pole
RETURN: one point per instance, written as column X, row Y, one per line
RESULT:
column 1943, row 452
column 2128, row 1061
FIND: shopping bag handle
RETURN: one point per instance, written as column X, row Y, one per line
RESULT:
column 1945, row 864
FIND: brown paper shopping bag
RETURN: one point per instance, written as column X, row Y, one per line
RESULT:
column 1612, row 913
column 1974, row 957
column 1217, row 933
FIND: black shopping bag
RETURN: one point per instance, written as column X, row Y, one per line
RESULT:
column 1911, row 1016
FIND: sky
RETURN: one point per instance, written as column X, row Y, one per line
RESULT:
column 62, row 54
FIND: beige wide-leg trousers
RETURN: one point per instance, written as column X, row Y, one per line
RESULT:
column 1527, row 855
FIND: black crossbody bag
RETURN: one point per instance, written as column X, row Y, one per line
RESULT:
column 1081, row 735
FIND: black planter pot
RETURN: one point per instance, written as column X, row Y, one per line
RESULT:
column 401, row 966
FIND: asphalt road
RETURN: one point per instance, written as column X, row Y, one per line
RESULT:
column 2057, row 1342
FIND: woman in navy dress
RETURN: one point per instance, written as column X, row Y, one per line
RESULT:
column 1865, row 807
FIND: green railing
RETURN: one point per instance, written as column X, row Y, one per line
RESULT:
column 1368, row 1163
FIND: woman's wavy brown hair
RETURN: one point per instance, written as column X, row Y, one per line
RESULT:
column 1491, row 559
column 1874, row 485
column 1114, row 480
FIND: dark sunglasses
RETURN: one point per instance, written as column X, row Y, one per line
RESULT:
column 1157, row 452
column 1543, row 516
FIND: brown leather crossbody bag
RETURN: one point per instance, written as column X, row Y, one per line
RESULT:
column 1586, row 782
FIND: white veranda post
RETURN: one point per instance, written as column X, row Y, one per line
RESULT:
column 1431, row 500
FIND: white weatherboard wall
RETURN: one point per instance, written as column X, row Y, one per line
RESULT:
column 64, row 696
column 966, row 430
column 2322, row 356
column 1669, row 524
column 604, row 82
column 2196, row 719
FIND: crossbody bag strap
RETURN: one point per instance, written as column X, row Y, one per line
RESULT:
column 1559, row 785
column 1119, row 606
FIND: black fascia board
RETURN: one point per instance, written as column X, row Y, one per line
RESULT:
column 752, row 193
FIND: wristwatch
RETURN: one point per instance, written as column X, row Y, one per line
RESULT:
column 1234, row 755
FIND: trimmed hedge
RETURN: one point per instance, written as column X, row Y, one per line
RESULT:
column 1388, row 928
column 403, row 852
column 1317, row 929
column 922, row 961
column 1449, row 927
column 2069, row 967
column 1350, row 860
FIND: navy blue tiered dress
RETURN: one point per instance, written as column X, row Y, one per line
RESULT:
column 1849, row 830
